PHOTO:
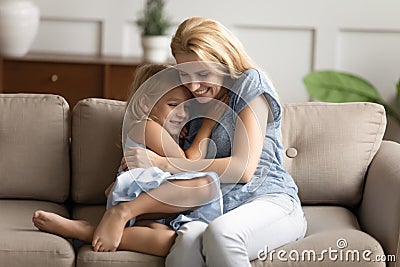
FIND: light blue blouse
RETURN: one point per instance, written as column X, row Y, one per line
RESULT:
column 130, row 184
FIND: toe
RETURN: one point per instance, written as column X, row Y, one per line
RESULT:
column 36, row 214
column 97, row 246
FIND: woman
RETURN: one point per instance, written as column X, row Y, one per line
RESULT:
column 260, row 197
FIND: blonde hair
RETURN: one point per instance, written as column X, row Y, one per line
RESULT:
column 211, row 41
column 143, row 73
column 153, row 88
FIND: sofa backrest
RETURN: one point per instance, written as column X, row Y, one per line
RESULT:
column 34, row 147
column 95, row 148
column 329, row 147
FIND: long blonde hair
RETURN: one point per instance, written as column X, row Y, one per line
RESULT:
column 212, row 42
column 145, row 84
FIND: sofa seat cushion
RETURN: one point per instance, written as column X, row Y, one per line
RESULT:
column 327, row 218
column 87, row 257
column 22, row 244
column 333, row 229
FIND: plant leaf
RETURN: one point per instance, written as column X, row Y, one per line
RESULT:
column 335, row 86
column 152, row 20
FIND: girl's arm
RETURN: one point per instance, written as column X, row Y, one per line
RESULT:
column 157, row 139
column 246, row 151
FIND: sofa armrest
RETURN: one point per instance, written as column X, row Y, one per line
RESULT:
column 379, row 213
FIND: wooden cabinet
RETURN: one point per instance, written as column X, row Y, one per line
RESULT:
column 73, row 77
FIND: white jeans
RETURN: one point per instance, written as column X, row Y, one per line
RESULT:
column 235, row 238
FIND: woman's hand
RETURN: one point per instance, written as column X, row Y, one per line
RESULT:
column 138, row 157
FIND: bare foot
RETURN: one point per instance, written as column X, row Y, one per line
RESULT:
column 108, row 233
column 56, row 224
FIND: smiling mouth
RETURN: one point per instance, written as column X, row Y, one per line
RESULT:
column 176, row 123
column 201, row 91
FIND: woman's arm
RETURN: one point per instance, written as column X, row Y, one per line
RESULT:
column 199, row 146
column 246, row 151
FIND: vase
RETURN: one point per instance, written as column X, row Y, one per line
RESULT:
column 19, row 21
column 155, row 48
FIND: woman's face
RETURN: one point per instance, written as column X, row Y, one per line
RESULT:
column 204, row 83
column 170, row 111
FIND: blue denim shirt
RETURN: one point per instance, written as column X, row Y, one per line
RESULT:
column 269, row 176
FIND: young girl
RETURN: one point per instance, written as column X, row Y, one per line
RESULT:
column 152, row 117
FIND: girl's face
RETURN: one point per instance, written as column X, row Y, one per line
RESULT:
column 200, row 80
column 171, row 110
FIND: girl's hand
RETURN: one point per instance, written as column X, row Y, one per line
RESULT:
column 138, row 157
column 182, row 136
column 183, row 133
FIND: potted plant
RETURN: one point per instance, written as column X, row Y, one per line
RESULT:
column 154, row 25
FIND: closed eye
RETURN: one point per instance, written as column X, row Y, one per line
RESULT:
column 203, row 74
column 181, row 73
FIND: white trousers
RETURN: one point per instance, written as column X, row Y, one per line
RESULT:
column 235, row 238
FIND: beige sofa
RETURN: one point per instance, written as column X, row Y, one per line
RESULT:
column 349, row 181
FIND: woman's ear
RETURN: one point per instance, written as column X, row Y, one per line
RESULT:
column 144, row 104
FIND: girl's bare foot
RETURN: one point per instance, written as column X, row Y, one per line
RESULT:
column 108, row 233
column 56, row 224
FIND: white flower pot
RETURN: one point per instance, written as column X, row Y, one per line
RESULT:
column 19, row 21
column 155, row 48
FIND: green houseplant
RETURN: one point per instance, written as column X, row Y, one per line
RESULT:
column 336, row 86
column 153, row 20
column 154, row 24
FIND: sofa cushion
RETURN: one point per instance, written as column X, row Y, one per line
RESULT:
column 34, row 147
column 329, row 218
column 88, row 258
column 329, row 147
column 96, row 148
column 22, row 244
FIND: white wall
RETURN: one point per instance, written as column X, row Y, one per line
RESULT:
column 287, row 38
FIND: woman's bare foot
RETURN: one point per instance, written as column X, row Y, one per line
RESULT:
column 56, row 224
column 108, row 233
